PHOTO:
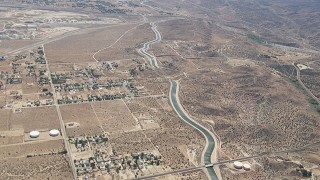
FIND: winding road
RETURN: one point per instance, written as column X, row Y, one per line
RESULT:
column 298, row 76
column 146, row 46
column 210, row 149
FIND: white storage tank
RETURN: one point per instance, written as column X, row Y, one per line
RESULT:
column 34, row 134
column 238, row 165
column 246, row 167
column 54, row 132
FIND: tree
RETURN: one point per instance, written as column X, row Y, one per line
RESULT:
column 133, row 72
column 129, row 162
column 93, row 165
column 80, row 141
column 134, row 166
column 108, row 169
column 83, row 143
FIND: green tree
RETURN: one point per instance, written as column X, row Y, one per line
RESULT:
column 129, row 162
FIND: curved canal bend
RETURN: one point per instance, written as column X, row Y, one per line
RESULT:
column 177, row 107
column 210, row 140
column 146, row 46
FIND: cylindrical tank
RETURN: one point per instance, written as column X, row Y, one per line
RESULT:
column 54, row 132
column 246, row 167
column 34, row 134
column 238, row 165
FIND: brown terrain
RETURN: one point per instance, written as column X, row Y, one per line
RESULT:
column 248, row 71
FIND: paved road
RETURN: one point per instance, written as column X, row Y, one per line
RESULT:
column 197, row 167
column 265, row 154
column 171, row 172
column 63, row 130
column 209, row 137
column 151, row 58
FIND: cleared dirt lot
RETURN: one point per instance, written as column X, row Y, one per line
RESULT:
column 129, row 142
column 83, row 115
column 115, row 116
column 33, row 148
column 30, row 85
column 145, row 110
column 42, row 118
column 4, row 120
column 117, row 54
column 81, row 47
column 11, row 137
column 127, row 46
column 143, row 105
column 9, row 45
column 2, row 100
column 53, row 167
column 61, row 67
column 153, row 86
